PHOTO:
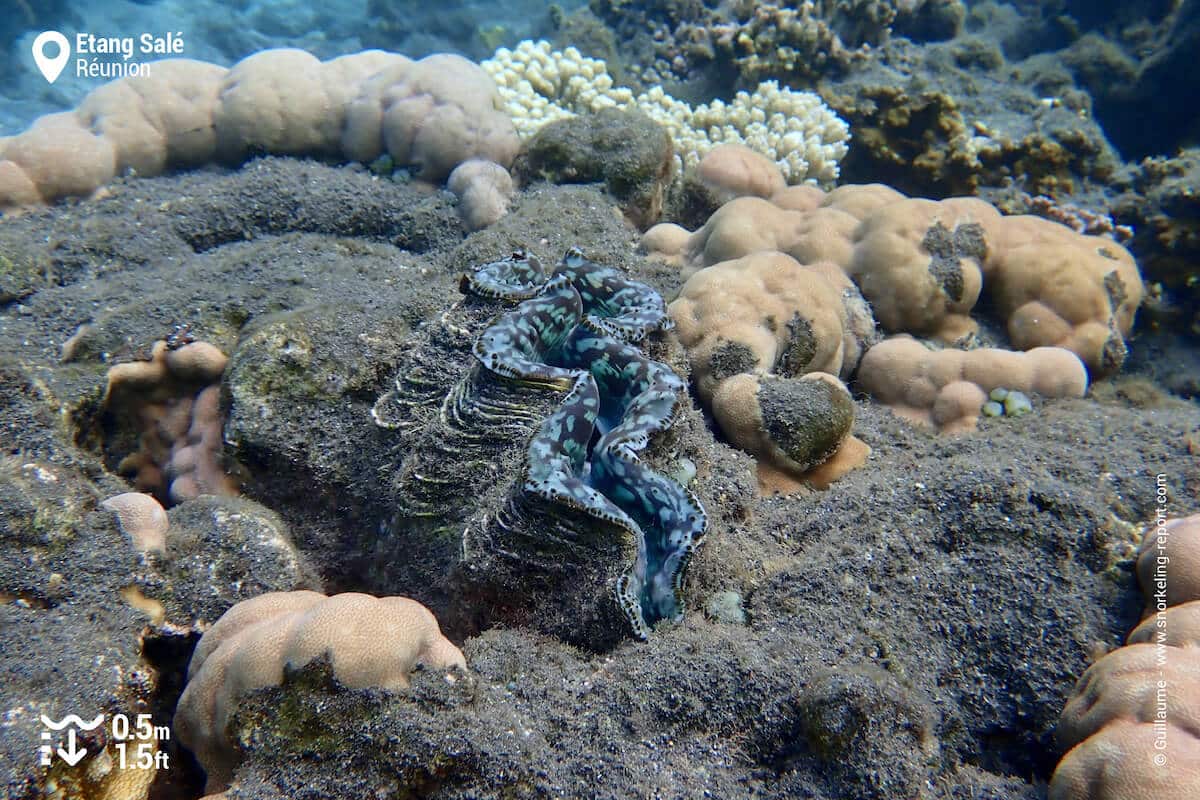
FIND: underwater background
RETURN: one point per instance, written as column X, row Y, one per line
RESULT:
column 606, row 398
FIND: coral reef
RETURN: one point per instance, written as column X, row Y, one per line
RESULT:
column 883, row 640
column 74, row 578
column 797, row 131
column 923, row 265
column 1160, row 202
column 765, row 313
column 949, row 388
column 1121, row 55
column 611, row 535
column 936, row 137
column 1080, row 220
column 172, row 402
column 484, row 190
column 781, row 285
column 142, row 519
column 795, row 43
column 1129, row 728
column 430, row 114
column 369, row 641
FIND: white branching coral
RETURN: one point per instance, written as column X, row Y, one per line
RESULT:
column 795, row 129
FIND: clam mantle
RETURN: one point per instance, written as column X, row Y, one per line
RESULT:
column 587, row 542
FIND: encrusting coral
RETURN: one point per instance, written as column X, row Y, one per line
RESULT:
column 430, row 115
column 173, row 402
column 369, row 641
column 1131, row 728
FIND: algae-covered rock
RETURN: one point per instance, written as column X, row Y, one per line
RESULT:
column 83, row 613
column 220, row 551
column 807, row 419
column 370, row 643
column 925, row 123
column 869, row 729
column 299, row 385
column 626, row 150
column 1161, row 204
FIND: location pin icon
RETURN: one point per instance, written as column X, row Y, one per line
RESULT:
column 51, row 68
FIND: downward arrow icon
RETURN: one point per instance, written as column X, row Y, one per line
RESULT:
column 72, row 755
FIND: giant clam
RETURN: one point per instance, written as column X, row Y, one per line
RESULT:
column 524, row 487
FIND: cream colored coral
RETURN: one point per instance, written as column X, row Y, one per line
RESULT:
column 142, row 519
column 433, row 114
column 157, row 121
column 734, row 170
column 752, row 322
column 947, row 388
column 786, row 223
column 1057, row 287
column 1178, row 626
column 1123, row 685
column 484, row 190
column 274, row 101
column 1169, row 562
column 430, row 114
column 749, row 225
column 1121, row 763
column 796, row 130
column 370, row 642
column 1133, row 721
column 764, row 313
column 59, row 158
column 924, row 264
column 174, row 400
column 919, row 263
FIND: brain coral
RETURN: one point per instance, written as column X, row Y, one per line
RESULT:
column 370, row 642
column 431, row 114
column 1131, row 727
column 923, row 265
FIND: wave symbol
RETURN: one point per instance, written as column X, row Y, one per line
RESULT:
column 72, row 719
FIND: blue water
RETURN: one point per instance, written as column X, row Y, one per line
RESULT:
column 1130, row 61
